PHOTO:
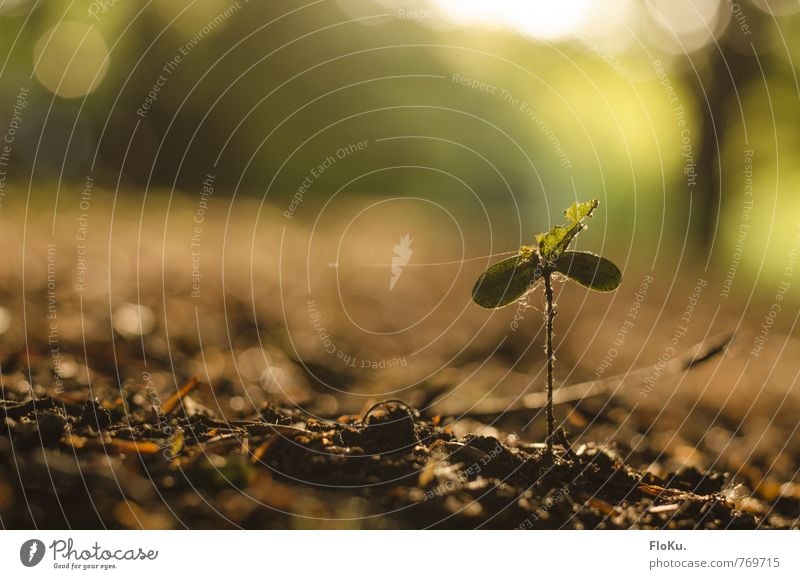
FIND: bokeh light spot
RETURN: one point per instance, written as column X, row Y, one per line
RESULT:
column 70, row 59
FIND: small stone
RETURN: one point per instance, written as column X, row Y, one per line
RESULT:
column 95, row 415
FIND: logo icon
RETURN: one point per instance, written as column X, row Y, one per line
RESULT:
column 32, row 552
column 402, row 254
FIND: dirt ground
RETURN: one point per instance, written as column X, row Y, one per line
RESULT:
column 279, row 391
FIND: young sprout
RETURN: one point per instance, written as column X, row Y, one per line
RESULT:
column 510, row 279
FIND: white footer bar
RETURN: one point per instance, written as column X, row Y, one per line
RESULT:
column 348, row 554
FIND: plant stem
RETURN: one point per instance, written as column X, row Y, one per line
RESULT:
column 550, row 314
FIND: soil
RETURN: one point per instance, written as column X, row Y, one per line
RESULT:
column 119, row 463
column 437, row 424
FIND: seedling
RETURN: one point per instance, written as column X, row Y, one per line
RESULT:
column 511, row 279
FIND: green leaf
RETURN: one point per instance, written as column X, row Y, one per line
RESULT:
column 579, row 211
column 550, row 241
column 507, row 280
column 590, row 270
column 553, row 243
column 556, row 241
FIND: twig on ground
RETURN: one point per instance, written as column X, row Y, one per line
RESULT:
column 611, row 386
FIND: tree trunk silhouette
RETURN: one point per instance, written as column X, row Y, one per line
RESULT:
column 718, row 90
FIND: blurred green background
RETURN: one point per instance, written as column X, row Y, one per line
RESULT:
column 676, row 114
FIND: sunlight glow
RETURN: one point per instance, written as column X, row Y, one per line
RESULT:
column 688, row 26
column 543, row 20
